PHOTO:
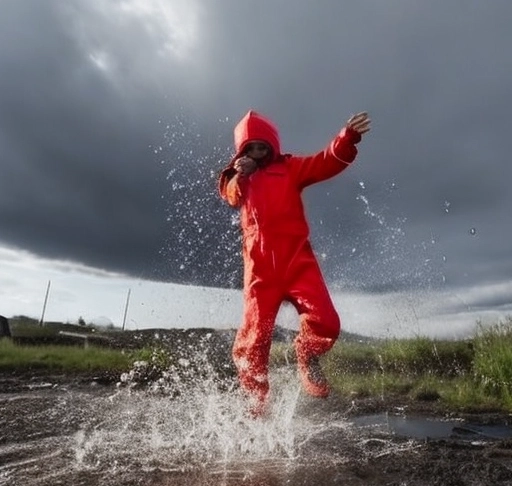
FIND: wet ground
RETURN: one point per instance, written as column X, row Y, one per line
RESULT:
column 55, row 430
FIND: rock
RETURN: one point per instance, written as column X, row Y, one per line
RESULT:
column 4, row 327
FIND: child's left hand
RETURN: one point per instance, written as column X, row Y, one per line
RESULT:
column 359, row 123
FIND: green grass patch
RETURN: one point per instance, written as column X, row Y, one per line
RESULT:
column 63, row 358
column 470, row 375
column 493, row 361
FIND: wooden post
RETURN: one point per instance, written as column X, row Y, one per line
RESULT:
column 41, row 322
column 126, row 307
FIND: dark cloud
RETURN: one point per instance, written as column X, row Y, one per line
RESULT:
column 115, row 120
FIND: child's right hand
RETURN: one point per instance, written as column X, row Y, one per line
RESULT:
column 245, row 165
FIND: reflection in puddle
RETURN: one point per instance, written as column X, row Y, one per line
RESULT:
column 429, row 428
column 412, row 427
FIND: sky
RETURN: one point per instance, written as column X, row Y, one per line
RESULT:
column 117, row 116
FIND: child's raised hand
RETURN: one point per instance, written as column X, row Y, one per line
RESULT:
column 245, row 165
column 360, row 122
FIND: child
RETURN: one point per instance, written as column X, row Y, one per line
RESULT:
column 279, row 263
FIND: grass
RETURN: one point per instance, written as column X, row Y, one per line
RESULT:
column 63, row 358
column 467, row 375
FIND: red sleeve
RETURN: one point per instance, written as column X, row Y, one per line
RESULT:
column 231, row 186
column 325, row 164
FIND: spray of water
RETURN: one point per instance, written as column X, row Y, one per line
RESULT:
column 376, row 254
column 178, row 424
column 183, row 428
column 202, row 244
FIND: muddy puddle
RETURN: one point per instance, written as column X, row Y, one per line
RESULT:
column 426, row 428
column 54, row 435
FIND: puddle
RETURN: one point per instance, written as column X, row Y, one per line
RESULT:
column 470, row 431
column 429, row 428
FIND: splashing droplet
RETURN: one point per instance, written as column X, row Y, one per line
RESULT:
column 472, row 231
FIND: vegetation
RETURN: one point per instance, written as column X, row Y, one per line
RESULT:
column 56, row 358
column 470, row 375
column 467, row 375
column 35, row 347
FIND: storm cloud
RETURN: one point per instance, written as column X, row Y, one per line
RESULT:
column 116, row 117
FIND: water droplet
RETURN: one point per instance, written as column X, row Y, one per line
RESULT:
column 447, row 206
column 361, row 184
column 472, row 231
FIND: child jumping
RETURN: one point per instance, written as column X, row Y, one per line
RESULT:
column 279, row 263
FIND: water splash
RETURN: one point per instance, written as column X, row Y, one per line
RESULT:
column 379, row 255
column 201, row 437
column 369, row 212
column 202, row 245
column 200, row 425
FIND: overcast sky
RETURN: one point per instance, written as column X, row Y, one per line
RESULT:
column 117, row 115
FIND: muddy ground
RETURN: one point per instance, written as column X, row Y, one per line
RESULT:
column 32, row 414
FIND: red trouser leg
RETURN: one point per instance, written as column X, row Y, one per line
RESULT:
column 275, row 269
column 254, row 337
column 319, row 321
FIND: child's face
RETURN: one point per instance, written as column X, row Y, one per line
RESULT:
column 256, row 150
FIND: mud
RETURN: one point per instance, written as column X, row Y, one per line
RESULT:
column 85, row 430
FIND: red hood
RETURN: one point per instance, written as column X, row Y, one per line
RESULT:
column 254, row 126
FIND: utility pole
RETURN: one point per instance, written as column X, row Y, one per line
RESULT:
column 126, row 307
column 41, row 322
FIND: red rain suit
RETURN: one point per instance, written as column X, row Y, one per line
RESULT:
column 279, row 263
